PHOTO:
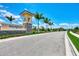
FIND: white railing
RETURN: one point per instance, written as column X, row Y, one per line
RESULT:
column 73, row 49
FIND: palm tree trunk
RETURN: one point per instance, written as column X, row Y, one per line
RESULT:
column 51, row 27
column 38, row 25
column 46, row 27
column 11, row 25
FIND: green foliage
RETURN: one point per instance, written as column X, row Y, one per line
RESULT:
column 50, row 23
column 38, row 17
column 61, row 29
column 10, row 18
column 74, row 39
column 46, row 20
column 34, row 28
column 76, row 28
column 42, row 29
column 48, row 29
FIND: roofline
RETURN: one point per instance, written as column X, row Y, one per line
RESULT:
column 26, row 11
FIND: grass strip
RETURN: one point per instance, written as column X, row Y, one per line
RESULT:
column 74, row 39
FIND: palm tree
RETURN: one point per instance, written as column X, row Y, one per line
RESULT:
column 10, row 18
column 38, row 17
column 50, row 24
column 46, row 21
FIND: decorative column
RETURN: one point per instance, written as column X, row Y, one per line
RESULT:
column 27, row 24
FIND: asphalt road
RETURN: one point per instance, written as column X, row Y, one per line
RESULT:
column 48, row 44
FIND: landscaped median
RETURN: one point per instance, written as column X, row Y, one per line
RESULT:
column 74, row 41
column 11, row 35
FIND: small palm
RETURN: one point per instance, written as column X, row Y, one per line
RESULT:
column 10, row 18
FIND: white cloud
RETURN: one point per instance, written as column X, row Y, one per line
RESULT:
column 34, row 24
column 64, row 24
column 20, row 23
column 25, row 9
column 68, row 25
column 4, row 13
column 7, row 13
column 1, row 20
column 75, row 24
column 44, row 25
column 34, row 20
column 16, row 16
column 17, row 23
column 2, row 7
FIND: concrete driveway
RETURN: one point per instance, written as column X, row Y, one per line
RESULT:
column 48, row 44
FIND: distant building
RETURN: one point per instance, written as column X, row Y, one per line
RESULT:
column 4, row 26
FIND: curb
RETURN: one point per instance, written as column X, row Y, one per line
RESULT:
column 70, row 48
column 17, row 38
column 74, row 48
column 67, row 46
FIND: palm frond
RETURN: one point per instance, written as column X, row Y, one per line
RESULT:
column 10, row 18
column 38, row 16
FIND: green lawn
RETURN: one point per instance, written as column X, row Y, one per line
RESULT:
column 75, row 40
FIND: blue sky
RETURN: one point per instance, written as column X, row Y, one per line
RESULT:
column 62, row 14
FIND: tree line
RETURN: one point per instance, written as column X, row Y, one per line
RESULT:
column 47, row 21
